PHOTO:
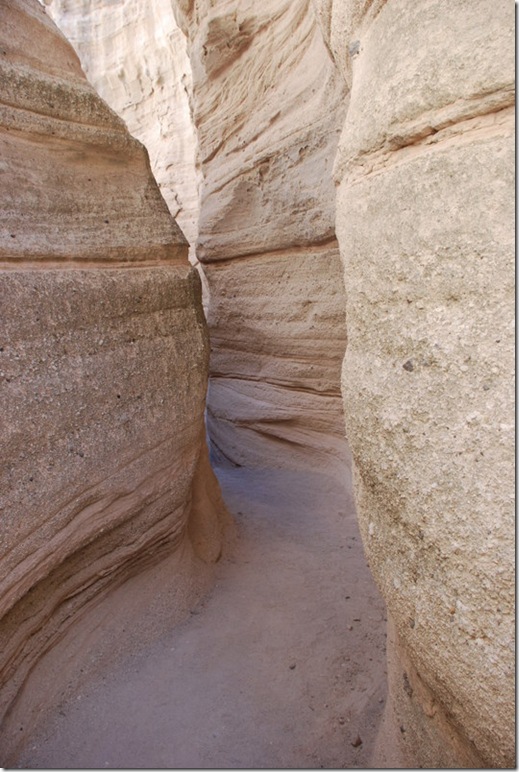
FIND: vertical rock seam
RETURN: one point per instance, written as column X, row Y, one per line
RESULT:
column 425, row 174
column 103, row 368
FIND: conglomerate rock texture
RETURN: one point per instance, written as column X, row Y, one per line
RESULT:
column 425, row 215
column 103, row 365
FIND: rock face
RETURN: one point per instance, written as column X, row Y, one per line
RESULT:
column 104, row 360
column 266, row 229
column 425, row 226
column 268, row 106
column 135, row 56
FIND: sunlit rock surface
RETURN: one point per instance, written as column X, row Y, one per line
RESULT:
column 135, row 56
column 425, row 219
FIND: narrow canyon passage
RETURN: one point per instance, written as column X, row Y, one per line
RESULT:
column 341, row 174
column 281, row 666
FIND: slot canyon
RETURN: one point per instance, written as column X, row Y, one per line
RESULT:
column 257, row 378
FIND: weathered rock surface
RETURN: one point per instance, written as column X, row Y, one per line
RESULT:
column 268, row 106
column 424, row 223
column 273, row 390
column 425, row 226
column 103, row 365
column 135, row 56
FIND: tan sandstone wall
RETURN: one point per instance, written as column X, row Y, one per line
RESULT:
column 425, row 213
column 268, row 105
column 103, row 374
column 135, row 56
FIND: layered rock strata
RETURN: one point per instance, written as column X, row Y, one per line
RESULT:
column 425, row 226
column 135, row 56
column 424, row 174
column 268, row 104
column 267, row 109
column 103, row 363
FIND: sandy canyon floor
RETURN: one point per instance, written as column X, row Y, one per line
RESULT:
column 281, row 666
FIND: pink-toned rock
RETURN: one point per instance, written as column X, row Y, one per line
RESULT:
column 423, row 215
column 135, row 56
column 268, row 108
column 103, row 368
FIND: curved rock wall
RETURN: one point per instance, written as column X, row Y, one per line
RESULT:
column 268, row 106
column 135, row 56
column 425, row 224
column 424, row 214
column 266, row 230
column 103, row 360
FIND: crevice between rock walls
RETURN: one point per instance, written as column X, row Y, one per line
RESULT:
column 423, row 162
column 266, row 196
column 268, row 117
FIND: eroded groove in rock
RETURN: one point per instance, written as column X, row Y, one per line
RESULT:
column 103, row 374
column 268, row 105
column 424, row 224
column 274, row 375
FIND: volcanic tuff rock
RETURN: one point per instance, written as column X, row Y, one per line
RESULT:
column 424, row 222
column 425, row 225
column 266, row 229
column 103, row 365
column 268, row 106
column 135, row 56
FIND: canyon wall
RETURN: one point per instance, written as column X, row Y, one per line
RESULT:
column 104, row 360
column 425, row 214
column 268, row 107
column 135, row 56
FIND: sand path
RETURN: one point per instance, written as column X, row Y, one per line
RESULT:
column 282, row 666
